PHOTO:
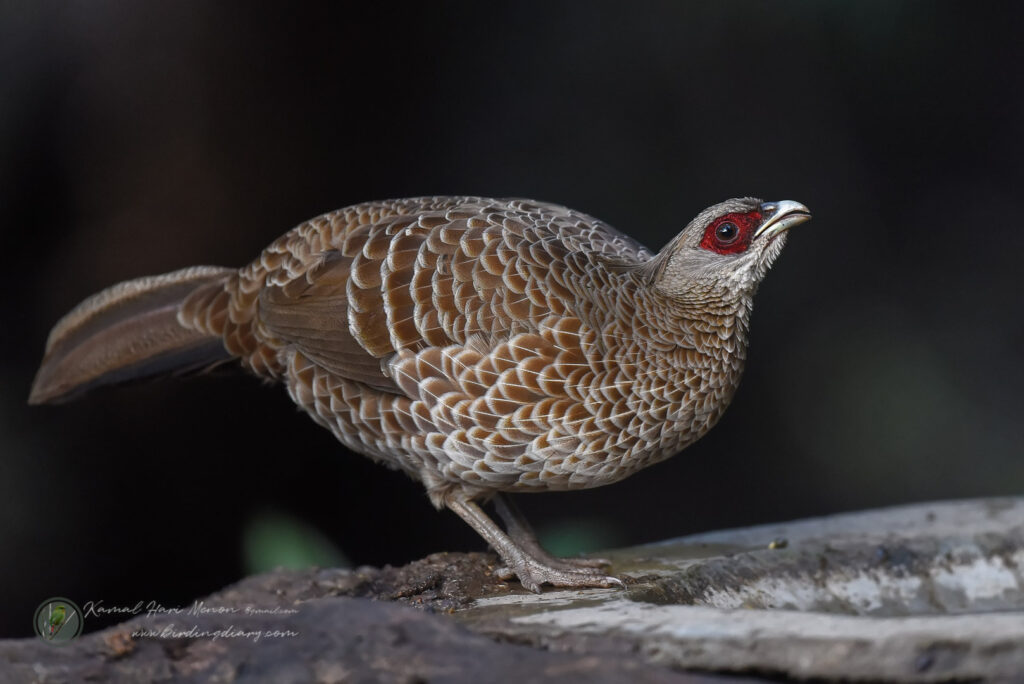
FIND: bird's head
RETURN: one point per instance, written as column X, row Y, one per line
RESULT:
column 727, row 249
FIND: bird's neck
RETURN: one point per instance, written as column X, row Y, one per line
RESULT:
column 707, row 318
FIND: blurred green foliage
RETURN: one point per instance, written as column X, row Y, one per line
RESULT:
column 572, row 537
column 276, row 540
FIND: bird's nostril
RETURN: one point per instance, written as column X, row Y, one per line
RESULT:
column 769, row 209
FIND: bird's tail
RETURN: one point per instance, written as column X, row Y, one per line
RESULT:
column 127, row 332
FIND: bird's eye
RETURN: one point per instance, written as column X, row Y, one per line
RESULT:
column 732, row 233
column 727, row 232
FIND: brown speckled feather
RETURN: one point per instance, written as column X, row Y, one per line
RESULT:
column 479, row 343
column 482, row 345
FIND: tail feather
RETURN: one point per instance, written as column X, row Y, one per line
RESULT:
column 128, row 332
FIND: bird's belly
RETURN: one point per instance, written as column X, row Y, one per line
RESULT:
column 605, row 424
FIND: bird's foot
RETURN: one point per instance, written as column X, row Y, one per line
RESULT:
column 533, row 573
column 525, row 558
column 570, row 563
column 531, row 547
column 585, row 562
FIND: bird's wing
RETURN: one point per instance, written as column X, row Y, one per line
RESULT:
column 433, row 272
column 311, row 314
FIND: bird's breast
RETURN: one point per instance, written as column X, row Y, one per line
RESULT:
column 564, row 407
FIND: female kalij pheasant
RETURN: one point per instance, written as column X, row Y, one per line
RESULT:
column 482, row 346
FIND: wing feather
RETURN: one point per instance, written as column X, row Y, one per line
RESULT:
column 429, row 272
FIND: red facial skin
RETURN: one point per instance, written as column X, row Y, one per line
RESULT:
column 747, row 224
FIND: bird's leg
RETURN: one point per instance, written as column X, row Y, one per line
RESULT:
column 532, row 572
column 522, row 533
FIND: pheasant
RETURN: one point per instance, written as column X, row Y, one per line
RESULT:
column 482, row 346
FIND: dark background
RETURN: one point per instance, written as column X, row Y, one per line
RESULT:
column 138, row 138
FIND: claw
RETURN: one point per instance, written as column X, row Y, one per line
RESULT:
column 532, row 574
column 559, row 577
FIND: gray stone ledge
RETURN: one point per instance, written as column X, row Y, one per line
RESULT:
column 930, row 592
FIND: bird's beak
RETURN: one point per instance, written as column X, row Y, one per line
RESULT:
column 780, row 216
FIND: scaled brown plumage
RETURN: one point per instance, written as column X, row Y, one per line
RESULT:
column 480, row 345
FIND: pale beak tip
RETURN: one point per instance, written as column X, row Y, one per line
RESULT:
column 780, row 216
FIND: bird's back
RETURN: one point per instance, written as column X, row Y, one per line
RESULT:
column 409, row 273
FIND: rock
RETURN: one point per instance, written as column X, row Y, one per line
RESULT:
column 931, row 592
column 917, row 593
column 322, row 626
